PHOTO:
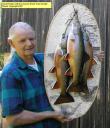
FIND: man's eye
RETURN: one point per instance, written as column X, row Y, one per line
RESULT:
column 23, row 40
column 31, row 39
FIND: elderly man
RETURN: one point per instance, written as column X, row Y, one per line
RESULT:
column 24, row 100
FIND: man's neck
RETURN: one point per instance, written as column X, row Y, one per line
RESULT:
column 28, row 59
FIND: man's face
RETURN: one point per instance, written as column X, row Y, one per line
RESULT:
column 24, row 42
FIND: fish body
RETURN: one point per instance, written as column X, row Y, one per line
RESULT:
column 87, row 74
column 77, row 57
column 62, row 81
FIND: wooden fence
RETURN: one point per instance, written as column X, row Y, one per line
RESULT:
column 99, row 114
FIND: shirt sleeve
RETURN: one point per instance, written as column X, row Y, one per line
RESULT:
column 12, row 101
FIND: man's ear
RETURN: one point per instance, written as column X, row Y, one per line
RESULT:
column 10, row 42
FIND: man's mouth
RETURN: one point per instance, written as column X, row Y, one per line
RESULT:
column 29, row 48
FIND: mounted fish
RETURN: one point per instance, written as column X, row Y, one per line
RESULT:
column 77, row 57
column 61, row 65
column 87, row 74
column 87, row 43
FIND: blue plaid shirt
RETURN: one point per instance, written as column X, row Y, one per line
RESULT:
column 22, row 88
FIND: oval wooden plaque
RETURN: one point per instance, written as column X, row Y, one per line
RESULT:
column 82, row 102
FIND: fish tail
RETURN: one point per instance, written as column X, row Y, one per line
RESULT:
column 79, row 87
column 73, row 87
column 67, row 98
column 85, row 89
column 83, row 84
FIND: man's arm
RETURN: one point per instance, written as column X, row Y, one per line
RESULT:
column 28, row 117
column 12, row 105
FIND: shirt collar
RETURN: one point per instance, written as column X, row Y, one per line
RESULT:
column 20, row 62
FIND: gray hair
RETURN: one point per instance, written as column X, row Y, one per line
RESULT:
column 22, row 25
column 12, row 30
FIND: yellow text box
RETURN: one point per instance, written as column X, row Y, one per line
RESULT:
column 25, row 5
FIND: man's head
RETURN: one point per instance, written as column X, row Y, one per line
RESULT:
column 22, row 39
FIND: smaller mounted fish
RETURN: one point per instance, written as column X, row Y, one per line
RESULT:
column 88, row 65
column 62, row 81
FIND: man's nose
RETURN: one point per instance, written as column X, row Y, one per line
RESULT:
column 29, row 42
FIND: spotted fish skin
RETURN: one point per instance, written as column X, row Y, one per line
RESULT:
column 62, row 81
column 77, row 57
column 87, row 74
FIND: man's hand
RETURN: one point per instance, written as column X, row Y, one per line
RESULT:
column 60, row 117
column 28, row 117
column 100, row 56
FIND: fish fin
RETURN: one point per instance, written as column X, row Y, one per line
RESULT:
column 67, row 98
column 52, row 70
column 73, row 89
column 68, row 72
column 77, row 88
column 56, row 85
column 94, row 62
column 90, row 75
column 84, row 89
column 86, row 57
column 66, row 56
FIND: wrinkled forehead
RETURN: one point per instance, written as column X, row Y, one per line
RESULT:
column 23, row 32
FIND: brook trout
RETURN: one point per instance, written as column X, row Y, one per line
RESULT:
column 61, row 65
column 77, row 57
